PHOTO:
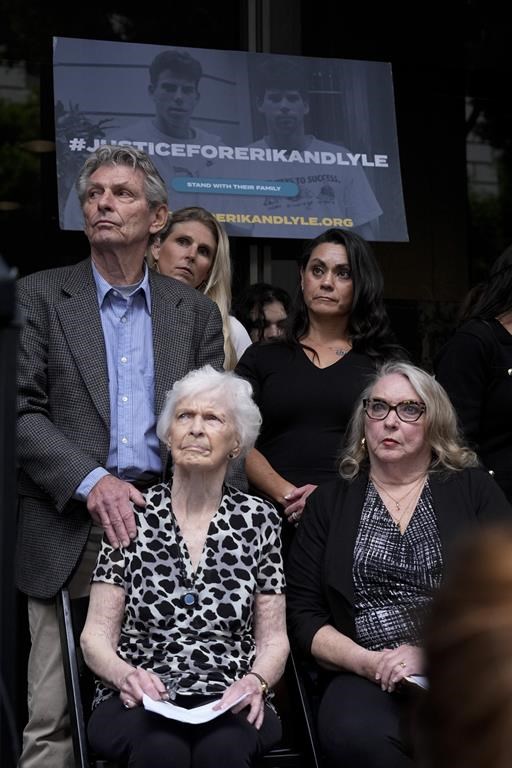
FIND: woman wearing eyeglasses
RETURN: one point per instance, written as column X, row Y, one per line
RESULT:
column 371, row 550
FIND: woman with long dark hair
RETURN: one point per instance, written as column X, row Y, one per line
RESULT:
column 307, row 384
column 263, row 310
column 475, row 368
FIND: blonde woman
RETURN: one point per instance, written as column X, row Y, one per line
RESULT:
column 370, row 552
column 194, row 248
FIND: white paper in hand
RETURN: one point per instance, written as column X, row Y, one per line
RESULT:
column 193, row 716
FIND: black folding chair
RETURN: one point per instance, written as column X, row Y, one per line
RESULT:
column 296, row 750
column 79, row 678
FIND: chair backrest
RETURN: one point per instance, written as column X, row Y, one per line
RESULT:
column 73, row 672
column 304, row 704
column 79, row 678
column 297, row 749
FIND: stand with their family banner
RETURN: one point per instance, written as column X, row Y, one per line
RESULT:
column 273, row 145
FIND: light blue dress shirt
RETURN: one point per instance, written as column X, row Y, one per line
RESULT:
column 126, row 321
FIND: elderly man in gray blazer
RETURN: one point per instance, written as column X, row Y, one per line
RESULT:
column 102, row 342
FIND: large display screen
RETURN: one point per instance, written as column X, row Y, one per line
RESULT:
column 273, row 145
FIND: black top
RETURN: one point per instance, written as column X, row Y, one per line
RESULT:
column 475, row 368
column 305, row 409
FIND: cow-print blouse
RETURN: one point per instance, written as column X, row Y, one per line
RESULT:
column 206, row 647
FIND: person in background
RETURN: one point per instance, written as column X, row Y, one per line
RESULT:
column 214, row 628
column 100, row 344
column 475, row 368
column 338, row 193
column 369, row 554
column 465, row 718
column 307, row 384
column 174, row 77
column 193, row 247
column 263, row 309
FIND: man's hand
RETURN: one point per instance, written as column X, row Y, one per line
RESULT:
column 108, row 504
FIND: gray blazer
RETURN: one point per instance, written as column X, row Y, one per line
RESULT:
column 64, row 408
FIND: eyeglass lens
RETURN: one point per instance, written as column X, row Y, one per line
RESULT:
column 407, row 410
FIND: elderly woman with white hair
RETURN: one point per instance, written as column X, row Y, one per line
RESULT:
column 193, row 609
column 370, row 553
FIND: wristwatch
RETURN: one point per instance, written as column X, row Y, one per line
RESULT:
column 263, row 682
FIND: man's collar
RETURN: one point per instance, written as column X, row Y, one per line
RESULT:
column 103, row 287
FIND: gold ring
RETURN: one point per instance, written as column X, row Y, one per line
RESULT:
column 403, row 664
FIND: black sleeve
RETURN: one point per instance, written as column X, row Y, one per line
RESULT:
column 491, row 504
column 465, row 502
column 306, row 601
column 463, row 368
column 248, row 368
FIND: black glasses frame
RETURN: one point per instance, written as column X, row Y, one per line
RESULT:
column 368, row 400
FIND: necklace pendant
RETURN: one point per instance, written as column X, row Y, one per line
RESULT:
column 189, row 599
column 397, row 506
